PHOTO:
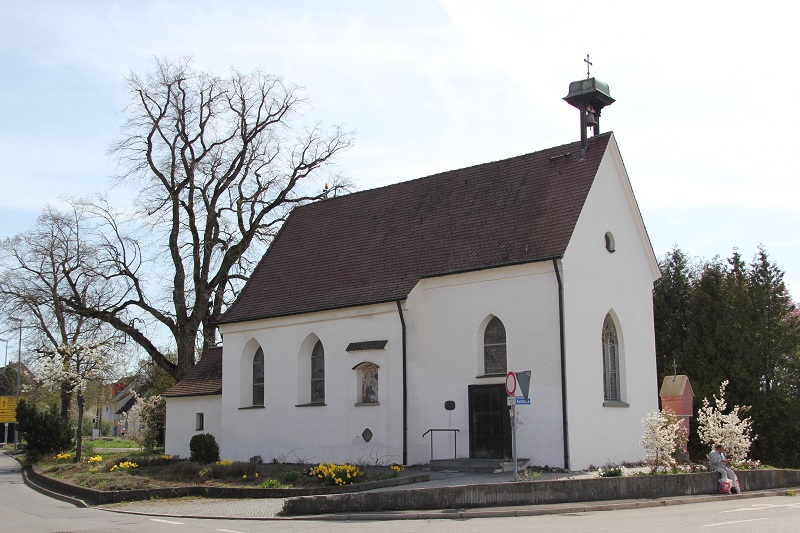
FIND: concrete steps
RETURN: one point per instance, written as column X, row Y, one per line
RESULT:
column 486, row 466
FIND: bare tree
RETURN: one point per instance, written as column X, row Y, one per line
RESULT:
column 35, row 269
column 219, row 164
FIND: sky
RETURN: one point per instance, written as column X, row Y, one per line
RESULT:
column 703, row 112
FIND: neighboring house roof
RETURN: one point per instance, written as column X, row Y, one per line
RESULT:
column 118, row 387
column 374, row 246
column 127, row 405
column 204, row 378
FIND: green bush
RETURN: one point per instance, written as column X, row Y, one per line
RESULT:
column 45, row 432
column 204, row 448
column 272, row 484
column 89, row 426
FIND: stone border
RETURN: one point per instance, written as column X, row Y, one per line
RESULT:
column 541, row 510
column 536, row 493
column 39, row 480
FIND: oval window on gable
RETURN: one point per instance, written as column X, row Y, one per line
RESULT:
column 611, row 246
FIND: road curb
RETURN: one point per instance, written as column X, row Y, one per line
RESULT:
column 55, row 495
column 509, row 512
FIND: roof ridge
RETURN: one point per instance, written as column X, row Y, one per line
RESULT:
column 444, row 172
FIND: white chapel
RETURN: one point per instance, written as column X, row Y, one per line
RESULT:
column 378, row 316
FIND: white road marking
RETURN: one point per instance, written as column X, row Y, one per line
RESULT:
column 735, row 522
column 166, row 521
column 229, row 530
column 762, row 506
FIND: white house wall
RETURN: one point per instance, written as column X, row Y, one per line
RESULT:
column 444, row 317
column 446, row 355
column 288, row 429
column 182, row 418
column 597, row 282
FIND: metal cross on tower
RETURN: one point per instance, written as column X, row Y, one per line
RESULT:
column 588, row 65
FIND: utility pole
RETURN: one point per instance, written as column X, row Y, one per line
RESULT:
column 19, row 370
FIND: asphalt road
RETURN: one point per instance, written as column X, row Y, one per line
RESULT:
column 24, row 510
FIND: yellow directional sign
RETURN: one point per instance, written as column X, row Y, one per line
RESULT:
column 8, row 409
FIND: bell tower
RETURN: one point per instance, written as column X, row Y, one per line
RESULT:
column 589, row 96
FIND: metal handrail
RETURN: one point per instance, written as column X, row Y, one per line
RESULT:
column 455, row 443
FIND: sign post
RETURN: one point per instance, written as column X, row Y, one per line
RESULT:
column 8, row 409
column 8, row 413
column 513, row 379
column 514, row 440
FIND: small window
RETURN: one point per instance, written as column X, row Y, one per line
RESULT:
column 258, row 377
column 318, row 373
column 369, row 383
column 494, row 348
column 610, row 360
column 610, row 244
column 199, row 422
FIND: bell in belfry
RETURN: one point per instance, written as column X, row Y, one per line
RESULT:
column 591, row 121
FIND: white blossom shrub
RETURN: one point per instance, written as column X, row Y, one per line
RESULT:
column 132, row 420
column 731, row 430
column 151, row 415
column 663, row 437
column 73, row 366
column 145, row 420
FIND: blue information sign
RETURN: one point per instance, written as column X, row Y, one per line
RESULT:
column 523, row 401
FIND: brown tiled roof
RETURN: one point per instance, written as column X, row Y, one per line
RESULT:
column 374, row 246
column 204, row 378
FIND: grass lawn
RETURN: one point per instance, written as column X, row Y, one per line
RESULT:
column 91, row 444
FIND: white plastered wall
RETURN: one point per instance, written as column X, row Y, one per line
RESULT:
column 597, row 282
column 446, row 353
column 288, row 429
column 182, row 417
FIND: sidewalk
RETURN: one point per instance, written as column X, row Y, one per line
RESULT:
column 269, row 508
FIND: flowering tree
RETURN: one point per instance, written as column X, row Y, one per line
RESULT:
column 731, row 430
column 146, row 419
column 74, row 366
column 664, row 435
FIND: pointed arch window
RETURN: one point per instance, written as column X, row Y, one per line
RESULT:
column 318, row 373
column 610, row 360
column 258, row 377
column 494, row 347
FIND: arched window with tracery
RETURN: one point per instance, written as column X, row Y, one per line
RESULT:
column 258, row 377
column 610, row 360
column 318, row 373
column 494, row 347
